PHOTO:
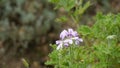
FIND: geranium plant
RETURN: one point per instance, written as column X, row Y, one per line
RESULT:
column 89, row 47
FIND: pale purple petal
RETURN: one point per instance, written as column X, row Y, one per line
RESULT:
column 70, row 41
column 58, row 42
column 59, row 46
column 63, row 34
column 66, row 44
column 81, row 40
column 74, row 38
column 72, row 33
column 75, row 34
column 77, row 40
column 70, row 30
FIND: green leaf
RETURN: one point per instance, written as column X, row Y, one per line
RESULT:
column 62, row 19
column 84, row 30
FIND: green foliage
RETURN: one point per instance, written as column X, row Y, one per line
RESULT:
column 66, row 4
column 62, row 19
column 105, row 26
column 85, row 30
column 75, row 8
column 101, row 48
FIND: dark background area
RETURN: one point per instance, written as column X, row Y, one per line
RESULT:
column 27, row 27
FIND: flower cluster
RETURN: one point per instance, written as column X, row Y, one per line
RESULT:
column 68, row 37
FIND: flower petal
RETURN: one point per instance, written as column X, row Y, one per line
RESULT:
column 69, row 41
column 70, row 30
column 81, row 40
column 66, row 44
column 59, row 46
column 77, row 40
column 63, row 34
column 58, row 42
column 72, row 33
column 75, row 34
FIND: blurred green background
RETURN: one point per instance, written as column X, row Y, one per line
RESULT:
column 27, row 27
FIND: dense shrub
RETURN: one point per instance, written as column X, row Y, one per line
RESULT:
column 101, row 48
column 101, row 43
